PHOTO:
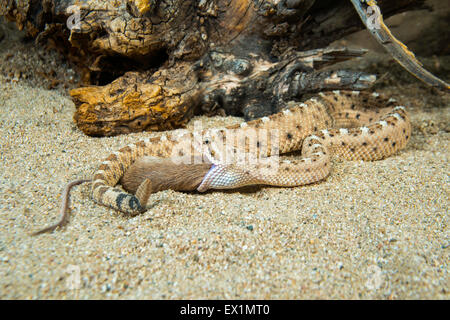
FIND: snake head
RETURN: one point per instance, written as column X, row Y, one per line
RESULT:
column 227, row 177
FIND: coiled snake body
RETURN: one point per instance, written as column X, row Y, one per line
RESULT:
column 350, row 125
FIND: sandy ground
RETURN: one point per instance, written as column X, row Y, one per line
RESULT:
column 372, row 230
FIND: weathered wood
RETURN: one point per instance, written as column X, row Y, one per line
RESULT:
column 242, row 57
column 137, row 101
column 187, row 29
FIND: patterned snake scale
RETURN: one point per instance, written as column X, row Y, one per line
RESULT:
column 351, row 125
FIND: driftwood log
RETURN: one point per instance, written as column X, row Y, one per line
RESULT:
column 152, row 64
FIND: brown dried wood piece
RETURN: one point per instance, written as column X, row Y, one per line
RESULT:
column 241, row 57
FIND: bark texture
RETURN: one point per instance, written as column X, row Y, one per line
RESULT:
column 151, row 64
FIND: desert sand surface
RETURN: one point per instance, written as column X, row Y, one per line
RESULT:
column 371, row 230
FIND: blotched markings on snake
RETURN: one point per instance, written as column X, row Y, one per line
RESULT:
column 350, row 125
